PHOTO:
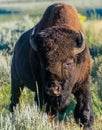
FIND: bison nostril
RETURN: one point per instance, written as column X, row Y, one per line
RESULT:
column 57, row 88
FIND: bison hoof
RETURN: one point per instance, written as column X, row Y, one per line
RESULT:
column 12, row 108
column 85, row 119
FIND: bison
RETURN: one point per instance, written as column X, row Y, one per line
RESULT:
column 54, row 54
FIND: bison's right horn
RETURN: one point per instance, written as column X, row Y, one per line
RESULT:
column 32, row 42
column 83, row 44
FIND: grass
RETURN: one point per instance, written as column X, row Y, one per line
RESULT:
column 95, row 28
column 28, row 117
column 5, row 92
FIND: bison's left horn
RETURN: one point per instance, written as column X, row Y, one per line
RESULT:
column 32, row 42
column 82, row 47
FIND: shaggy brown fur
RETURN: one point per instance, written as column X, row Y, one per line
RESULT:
column 60, row 14
column 46, row 54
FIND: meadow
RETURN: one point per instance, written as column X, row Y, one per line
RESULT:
column 12, row 25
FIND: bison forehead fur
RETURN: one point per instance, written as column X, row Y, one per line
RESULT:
column 58, row 42
column 55, row 54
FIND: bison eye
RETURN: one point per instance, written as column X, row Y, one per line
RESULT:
column 68, row 63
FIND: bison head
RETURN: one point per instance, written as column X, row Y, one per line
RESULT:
column 60, row 49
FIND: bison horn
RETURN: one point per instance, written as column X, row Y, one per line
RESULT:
column 80, row 49
column 32, row 42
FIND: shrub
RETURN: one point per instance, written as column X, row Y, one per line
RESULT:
column 10, row 32
column 4, row 69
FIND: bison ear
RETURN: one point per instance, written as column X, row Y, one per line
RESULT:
column 80, row 44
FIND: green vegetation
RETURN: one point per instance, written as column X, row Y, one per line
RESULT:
column 27, row 116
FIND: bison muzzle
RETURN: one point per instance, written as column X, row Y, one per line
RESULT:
column 54, row 54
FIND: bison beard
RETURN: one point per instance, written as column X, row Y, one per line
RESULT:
column 60, row 102
column 55, row 54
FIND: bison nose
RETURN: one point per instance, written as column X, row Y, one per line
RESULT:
column 54, row 90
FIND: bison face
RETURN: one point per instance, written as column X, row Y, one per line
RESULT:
column 58, row 49
column 60, row 78
column 59, row 85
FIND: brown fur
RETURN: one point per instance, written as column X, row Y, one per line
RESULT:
column 60, row 14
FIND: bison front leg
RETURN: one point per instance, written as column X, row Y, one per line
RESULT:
column 15, row 94
column 83, row 111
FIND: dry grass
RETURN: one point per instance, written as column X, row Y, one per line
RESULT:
column 95, row 26
column 28, row 117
